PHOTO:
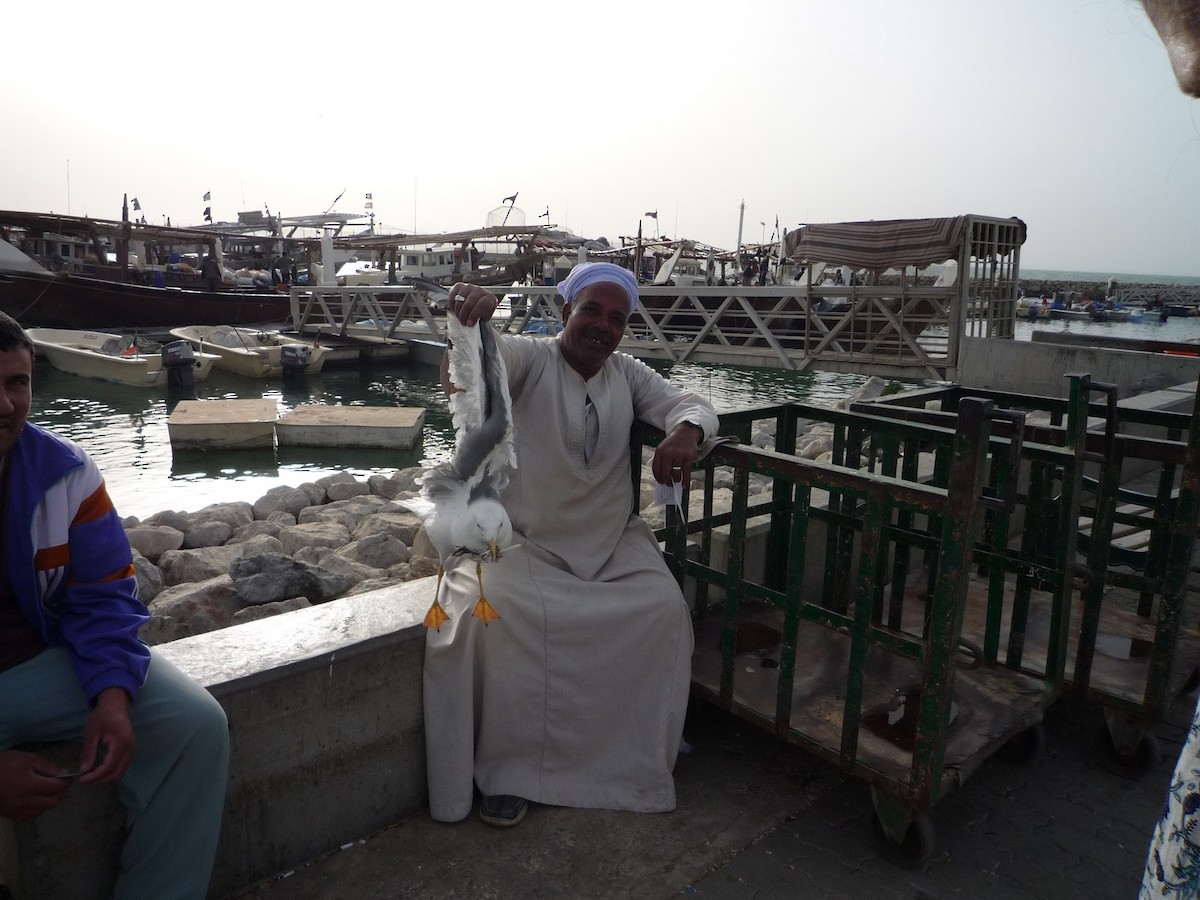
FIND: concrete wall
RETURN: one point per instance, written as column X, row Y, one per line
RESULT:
column 1038, row 367
column 327, row 735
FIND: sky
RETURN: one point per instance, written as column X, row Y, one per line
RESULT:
column 1061, row 112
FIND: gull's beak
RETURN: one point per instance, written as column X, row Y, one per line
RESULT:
column 495, row 549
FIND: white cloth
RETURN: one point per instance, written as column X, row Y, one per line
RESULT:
column 576, row 695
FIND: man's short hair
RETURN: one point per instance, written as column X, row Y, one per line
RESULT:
column 12, row 335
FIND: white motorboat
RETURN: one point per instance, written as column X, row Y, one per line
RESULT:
column 116, row 358
column 253, row 352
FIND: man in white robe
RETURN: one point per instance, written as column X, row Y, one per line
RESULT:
column 576, row 695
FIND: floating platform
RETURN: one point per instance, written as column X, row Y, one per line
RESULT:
column 223, row 424
column 319, row 425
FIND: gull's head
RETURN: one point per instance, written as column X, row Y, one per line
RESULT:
column 488, row 529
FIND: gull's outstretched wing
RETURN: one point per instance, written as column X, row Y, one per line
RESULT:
column 482, row 406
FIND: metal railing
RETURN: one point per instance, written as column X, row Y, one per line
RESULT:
column 893, row 331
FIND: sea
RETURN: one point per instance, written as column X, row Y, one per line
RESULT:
column 125, row 428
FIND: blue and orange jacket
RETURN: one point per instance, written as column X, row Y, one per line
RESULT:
column 70, row 564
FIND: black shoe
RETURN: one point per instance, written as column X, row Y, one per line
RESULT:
column 503, row 810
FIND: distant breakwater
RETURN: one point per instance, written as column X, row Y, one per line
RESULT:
column 1084, row 291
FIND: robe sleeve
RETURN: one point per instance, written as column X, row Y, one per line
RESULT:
column 665, row 405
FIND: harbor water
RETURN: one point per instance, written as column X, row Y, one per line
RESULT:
column 125, row 428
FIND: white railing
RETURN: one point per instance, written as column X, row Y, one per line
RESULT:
column 901, row 330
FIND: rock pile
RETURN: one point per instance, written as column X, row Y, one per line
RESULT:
column 296, row 546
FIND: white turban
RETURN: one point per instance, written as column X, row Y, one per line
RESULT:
column 587, row 274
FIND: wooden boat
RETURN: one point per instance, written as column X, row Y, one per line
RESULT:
column 112, row 357
column 78, row 302
column 253, row 352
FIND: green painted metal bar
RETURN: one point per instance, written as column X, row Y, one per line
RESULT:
column 946, row 607
column 798, row 546
column 868, row 569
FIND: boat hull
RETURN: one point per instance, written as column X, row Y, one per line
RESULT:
column 77, row 352
column 247, row 351
column 75, row 302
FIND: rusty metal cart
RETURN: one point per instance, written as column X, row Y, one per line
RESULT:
column 1132, row 643
column 859, row 660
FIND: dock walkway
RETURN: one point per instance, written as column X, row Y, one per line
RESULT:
column 760, row 820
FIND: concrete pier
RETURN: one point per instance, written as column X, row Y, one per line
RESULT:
column 318, row 425
column 223, row 424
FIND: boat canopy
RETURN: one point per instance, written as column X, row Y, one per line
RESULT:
column 880, row 245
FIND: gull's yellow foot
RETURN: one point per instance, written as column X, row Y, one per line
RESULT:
column 483, row 611
column 437, row 615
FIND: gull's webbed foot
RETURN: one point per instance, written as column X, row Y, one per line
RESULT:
column 483, row 611
column 437, row 616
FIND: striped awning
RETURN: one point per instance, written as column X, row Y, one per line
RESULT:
column 883, row 244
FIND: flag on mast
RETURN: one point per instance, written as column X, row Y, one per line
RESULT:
column 136, row 205
column 512, row 199
column 207, row 196
column 652, row 215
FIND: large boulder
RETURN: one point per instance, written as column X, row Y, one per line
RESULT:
column 344, row 490
column 207, row 534
column 313, row 534
column 149, row 577
column 380, row 551
column 334, row 561
column 422, row 547
column 257, row 527
column 199, row 606
column 345, row 512
column 180, row 521
column 281, row 499
column 233, row 514
column 152, row 541
column 272, row 576
column 422, row 566
column 186, row 566
column 400, row 524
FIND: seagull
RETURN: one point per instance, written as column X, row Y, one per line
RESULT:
column 460, row 499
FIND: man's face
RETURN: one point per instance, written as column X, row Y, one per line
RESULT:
column 16, row 394
column 593, row 326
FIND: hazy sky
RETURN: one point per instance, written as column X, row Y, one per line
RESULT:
column 1061, row 112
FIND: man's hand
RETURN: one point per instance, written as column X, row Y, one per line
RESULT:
column 29, row 784
column 675, row 454
column 472, row 303
column 109, row 727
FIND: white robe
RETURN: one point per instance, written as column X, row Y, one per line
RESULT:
column 576, row 695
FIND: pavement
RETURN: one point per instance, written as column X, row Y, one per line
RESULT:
column 758, row 819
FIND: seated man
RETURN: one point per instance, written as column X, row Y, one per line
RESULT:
column 72, row 667
column 576, row 695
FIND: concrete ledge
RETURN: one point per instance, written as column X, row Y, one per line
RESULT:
column 327, row 744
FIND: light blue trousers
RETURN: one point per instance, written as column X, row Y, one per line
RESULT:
column 174, row 789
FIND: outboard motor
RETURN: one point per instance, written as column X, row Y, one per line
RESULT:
column 179, row 361
column 294, row 359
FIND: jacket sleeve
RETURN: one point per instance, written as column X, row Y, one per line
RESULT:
column 101, row 612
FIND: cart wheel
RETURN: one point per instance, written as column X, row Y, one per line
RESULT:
column 1144, row 757
column 916, row 849
column 1025, row 746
